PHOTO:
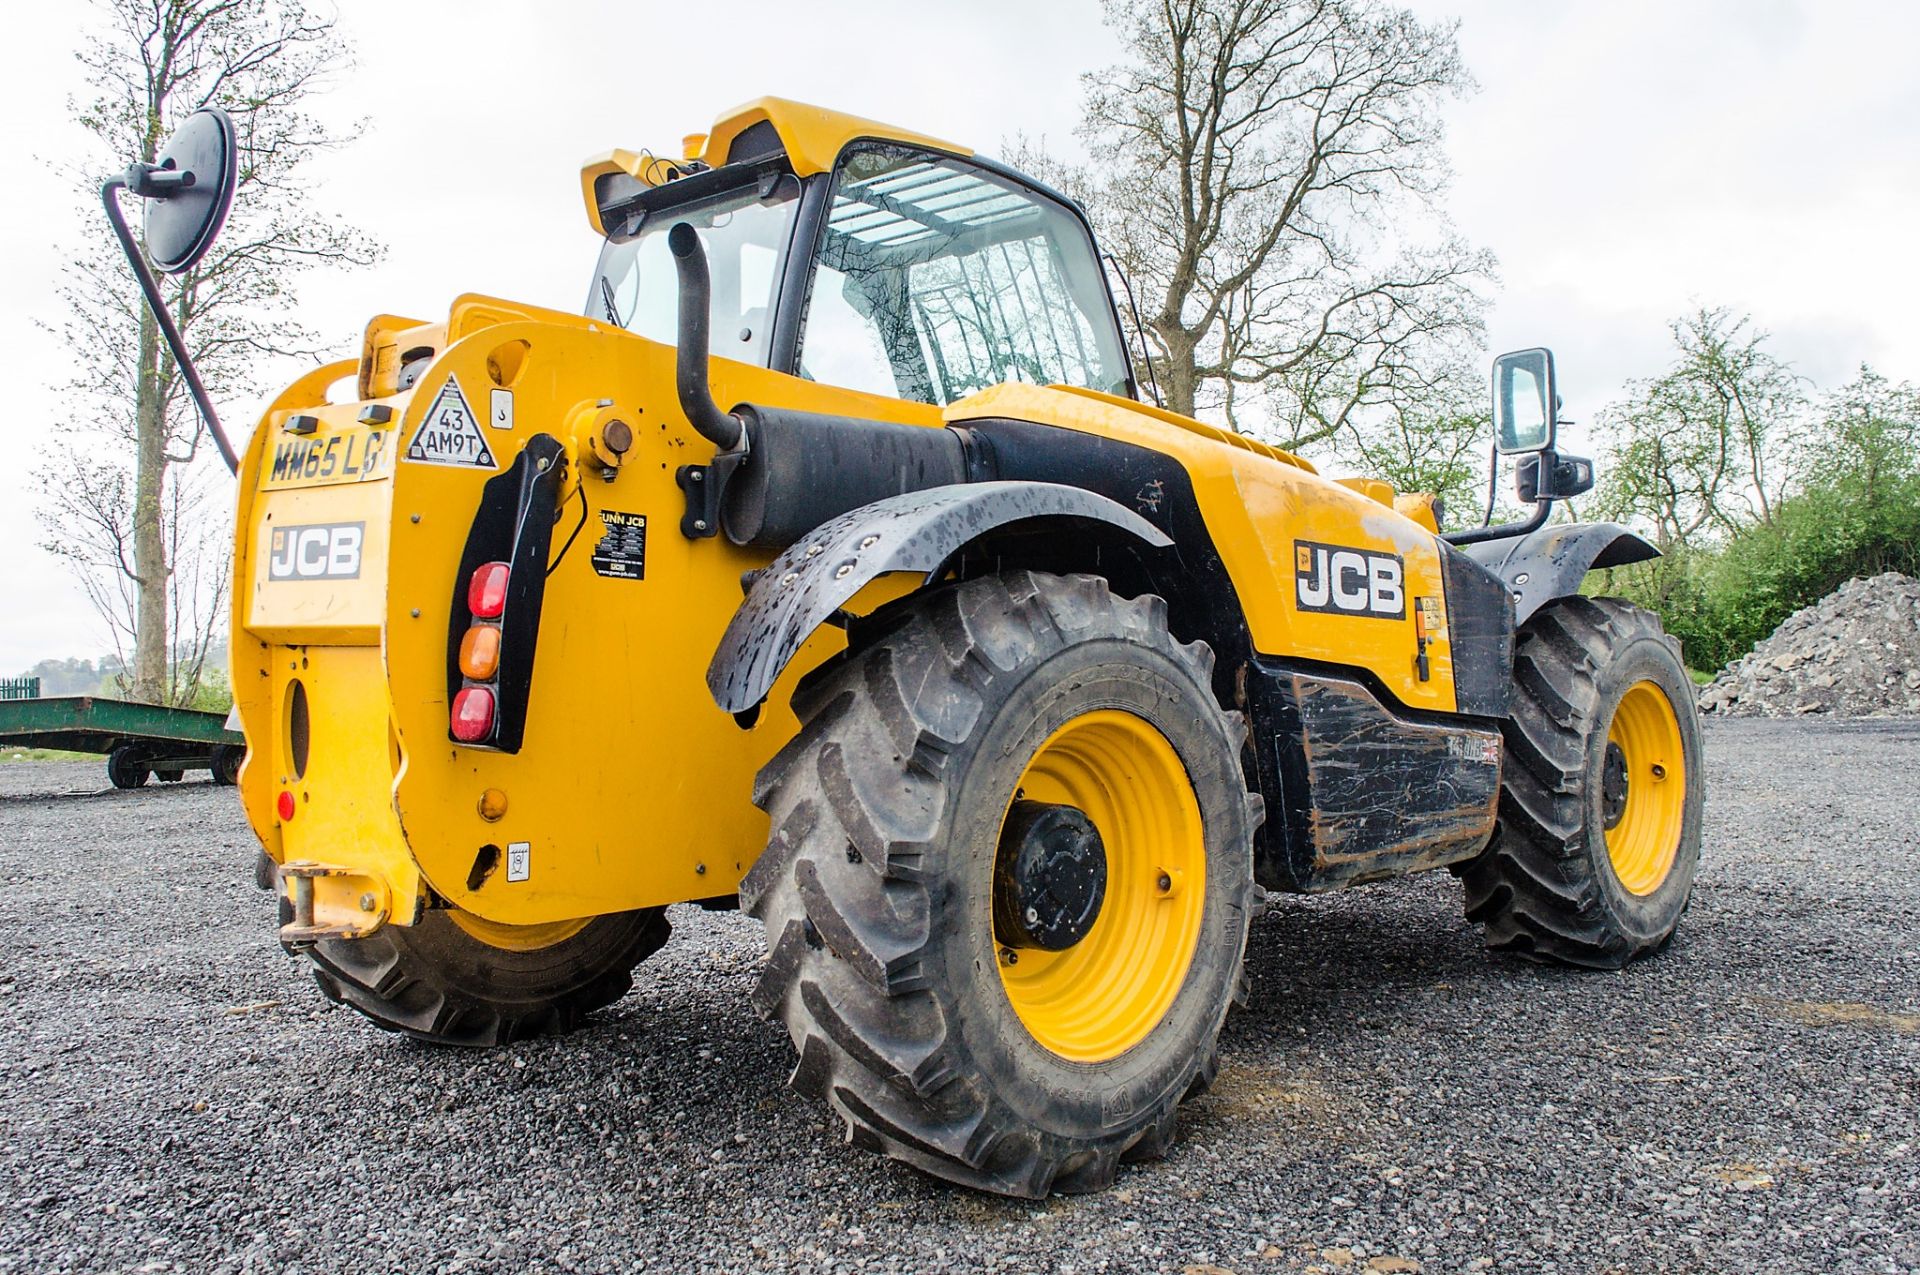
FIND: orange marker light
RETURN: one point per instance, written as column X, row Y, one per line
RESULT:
column 480, row 652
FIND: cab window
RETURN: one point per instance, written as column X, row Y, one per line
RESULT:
column 936, row 278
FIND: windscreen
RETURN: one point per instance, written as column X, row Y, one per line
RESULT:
column 745, row 234
column 937, row 278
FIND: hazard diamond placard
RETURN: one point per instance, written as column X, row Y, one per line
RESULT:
column 449, row 434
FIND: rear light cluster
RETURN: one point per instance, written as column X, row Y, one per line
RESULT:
column 476, row 702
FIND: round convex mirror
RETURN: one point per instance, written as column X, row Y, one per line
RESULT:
column 183, row 220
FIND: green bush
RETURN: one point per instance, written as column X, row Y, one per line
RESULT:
column 1858, row 521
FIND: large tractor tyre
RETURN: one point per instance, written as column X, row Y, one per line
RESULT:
column 127, row 767
column 1008, row 883
column 1599, row 831
column 456, row 979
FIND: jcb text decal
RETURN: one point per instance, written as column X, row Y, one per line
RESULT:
column 318, row 551
column 1343, row 581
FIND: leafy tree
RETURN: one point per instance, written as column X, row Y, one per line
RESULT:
column 124, row 500
column 1710, row 446
column 1259, row 169
column 1856, row 512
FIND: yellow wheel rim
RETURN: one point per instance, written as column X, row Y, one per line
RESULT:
column 517, row 938
column 1644, row 832
column 1102, row 996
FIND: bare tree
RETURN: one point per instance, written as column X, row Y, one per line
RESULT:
column 1436, row 442
column 1257, row 167
column 1712, row 445
column 123, row 500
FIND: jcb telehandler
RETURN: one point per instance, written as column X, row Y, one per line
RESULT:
column 831, row 565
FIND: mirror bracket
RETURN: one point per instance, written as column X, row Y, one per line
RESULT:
column 1548, row 475
column 150, row 287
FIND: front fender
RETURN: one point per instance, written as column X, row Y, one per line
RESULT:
column 1551, row 562
column 919, row 531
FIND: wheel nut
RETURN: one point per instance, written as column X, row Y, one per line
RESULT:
column 367, row 902
column 1165, row 882
column 1659, row 771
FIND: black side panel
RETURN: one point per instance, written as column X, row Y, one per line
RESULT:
column 1190, row 576
column 1479, row 632
column 1363, row 793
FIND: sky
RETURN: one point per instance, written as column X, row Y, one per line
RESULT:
column 1626, row 162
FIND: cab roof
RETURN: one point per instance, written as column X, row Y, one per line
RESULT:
column 811, row 136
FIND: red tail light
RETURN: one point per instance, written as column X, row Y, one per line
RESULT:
column 487, row 591
column 284, row 806
column 472, row 714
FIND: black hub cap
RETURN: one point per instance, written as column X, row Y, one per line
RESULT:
column 1613, row 785
column 1049, row 878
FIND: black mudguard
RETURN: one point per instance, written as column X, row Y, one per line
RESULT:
column 1551, row 562
column 920, row 531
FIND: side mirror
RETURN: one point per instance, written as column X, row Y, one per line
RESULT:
column 1524, row 401
column 189, row 191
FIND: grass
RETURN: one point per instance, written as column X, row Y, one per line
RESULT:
column 43, row 754
column 1700, row 678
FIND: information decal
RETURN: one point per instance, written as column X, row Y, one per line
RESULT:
column 622, row 551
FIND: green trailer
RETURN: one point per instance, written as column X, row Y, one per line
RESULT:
column 141, row 741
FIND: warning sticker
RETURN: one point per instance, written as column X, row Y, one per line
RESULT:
column 449, row 434
column 622, row 551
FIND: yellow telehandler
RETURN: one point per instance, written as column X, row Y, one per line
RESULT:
column 830, row 565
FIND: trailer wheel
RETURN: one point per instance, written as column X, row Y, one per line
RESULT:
column 127, row 768
column 1599, row 833
column 456, row 979
column 226, row 764
column 1008, row 883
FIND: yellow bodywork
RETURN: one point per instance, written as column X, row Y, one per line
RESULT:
column 631, row 788
column 813, row 137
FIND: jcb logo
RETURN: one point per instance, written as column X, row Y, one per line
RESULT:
column 323, row 551
column 1348, row 581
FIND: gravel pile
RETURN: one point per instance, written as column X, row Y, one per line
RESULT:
column 1854, row 653
column 177, row 1096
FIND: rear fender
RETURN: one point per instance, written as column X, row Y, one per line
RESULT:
column 1553, row 561
column 919, row 532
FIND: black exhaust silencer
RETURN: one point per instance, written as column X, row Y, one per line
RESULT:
column 807, row 468
column 781, row 473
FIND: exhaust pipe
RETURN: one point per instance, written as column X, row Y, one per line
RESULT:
column 723, row 430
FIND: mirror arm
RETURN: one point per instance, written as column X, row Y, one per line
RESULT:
column 142, row 177
column 1479, row 535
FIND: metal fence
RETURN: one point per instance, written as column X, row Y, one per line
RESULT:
column 19, row 688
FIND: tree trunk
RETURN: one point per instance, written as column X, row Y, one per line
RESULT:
column 1179, row 380
column 150, row 567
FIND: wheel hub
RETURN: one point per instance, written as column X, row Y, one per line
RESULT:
column 1613, row 786
column 1050, row 877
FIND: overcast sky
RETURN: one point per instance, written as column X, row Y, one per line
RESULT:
column 1625, row 161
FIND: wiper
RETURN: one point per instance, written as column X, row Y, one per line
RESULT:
column 607, row 299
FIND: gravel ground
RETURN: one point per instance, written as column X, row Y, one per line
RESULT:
column 177, row 1096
